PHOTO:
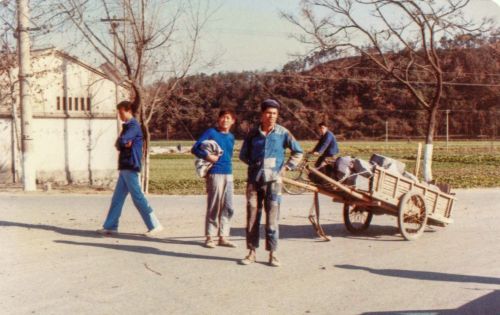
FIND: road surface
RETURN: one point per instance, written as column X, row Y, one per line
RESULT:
column 52, row 262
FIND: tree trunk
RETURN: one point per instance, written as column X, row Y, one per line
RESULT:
column 146, row 158
column 429, row 144
column 166, row 129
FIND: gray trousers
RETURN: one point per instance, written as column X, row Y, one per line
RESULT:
column 219, row 204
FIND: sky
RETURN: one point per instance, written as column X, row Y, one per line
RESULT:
column 250, row 35
column 247, row 35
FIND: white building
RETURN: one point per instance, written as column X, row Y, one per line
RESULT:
column 74, row 122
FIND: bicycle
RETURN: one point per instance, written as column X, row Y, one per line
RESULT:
column 298, row 174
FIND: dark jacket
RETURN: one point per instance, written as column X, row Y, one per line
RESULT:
column 327, row 145
column 130, row 158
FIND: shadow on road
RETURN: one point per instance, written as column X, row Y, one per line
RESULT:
column 122, row 236
column 147, row 250
column 487, row 304
column 424, row 275
column 374, row 233
column 93, row 234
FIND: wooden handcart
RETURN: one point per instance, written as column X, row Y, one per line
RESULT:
column 414, row 204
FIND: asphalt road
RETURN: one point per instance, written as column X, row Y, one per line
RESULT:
column 52, row 262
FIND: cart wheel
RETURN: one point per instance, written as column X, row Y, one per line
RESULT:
column 412, row 216
column 356, row 219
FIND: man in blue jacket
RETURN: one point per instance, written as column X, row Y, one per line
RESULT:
column 129, row 143
column 327, row 146
column 264, row 151
column 219, row 180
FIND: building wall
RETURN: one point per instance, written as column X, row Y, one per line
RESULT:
column 59, row 80
column 6, row 150
column 76, row 151
column 72, row 144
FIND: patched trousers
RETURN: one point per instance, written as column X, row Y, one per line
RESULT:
column 263, row 197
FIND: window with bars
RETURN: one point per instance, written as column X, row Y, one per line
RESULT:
column 73, row 103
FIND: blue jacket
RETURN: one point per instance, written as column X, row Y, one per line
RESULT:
column 265, row 155
column 327, row 145
column 226, row 141
column 130, row 158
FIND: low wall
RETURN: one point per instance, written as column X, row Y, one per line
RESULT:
column 67, row 150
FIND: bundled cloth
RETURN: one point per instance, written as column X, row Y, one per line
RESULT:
column 393, row 166
column 390, row 164
column 350, row 171
column 203, row 166
column 357, row 172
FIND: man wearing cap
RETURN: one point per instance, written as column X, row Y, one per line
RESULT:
column 263, row 151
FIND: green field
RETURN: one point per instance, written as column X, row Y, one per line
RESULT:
column 464, row 164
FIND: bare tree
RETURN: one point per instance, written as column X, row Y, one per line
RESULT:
column 401, row 38
column 7, row 64
column 149, row 41
column 42, row 19
column 8, row 91
column 8, row 59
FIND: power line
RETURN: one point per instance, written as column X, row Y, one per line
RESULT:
column 316, row 77
column 373, row 80
column 363, row 110
column 414, row 70
column 364, row 68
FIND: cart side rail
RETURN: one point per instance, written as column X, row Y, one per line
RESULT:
column 390, row 187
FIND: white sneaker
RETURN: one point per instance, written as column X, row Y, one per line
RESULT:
column 154, row 231
column 106, row 232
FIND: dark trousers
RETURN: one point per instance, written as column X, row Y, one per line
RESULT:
column 267, row 197
column 323, row 160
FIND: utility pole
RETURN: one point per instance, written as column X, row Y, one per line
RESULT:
column 114, row 24
column 386, row 132
column 23, row 47
column 494, row 130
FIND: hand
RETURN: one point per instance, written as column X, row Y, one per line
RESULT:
column 212, row 158
column 284, row 170
column 128, row 144
column 315, row 153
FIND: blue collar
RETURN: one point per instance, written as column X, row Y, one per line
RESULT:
column 129, row 121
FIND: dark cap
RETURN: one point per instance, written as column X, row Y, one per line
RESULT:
column 269, row 103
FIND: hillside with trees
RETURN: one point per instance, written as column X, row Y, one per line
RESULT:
column 352, row 95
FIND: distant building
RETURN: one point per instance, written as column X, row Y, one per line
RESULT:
column 74, row 121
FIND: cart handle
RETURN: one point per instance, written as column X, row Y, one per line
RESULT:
column 340, row 186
